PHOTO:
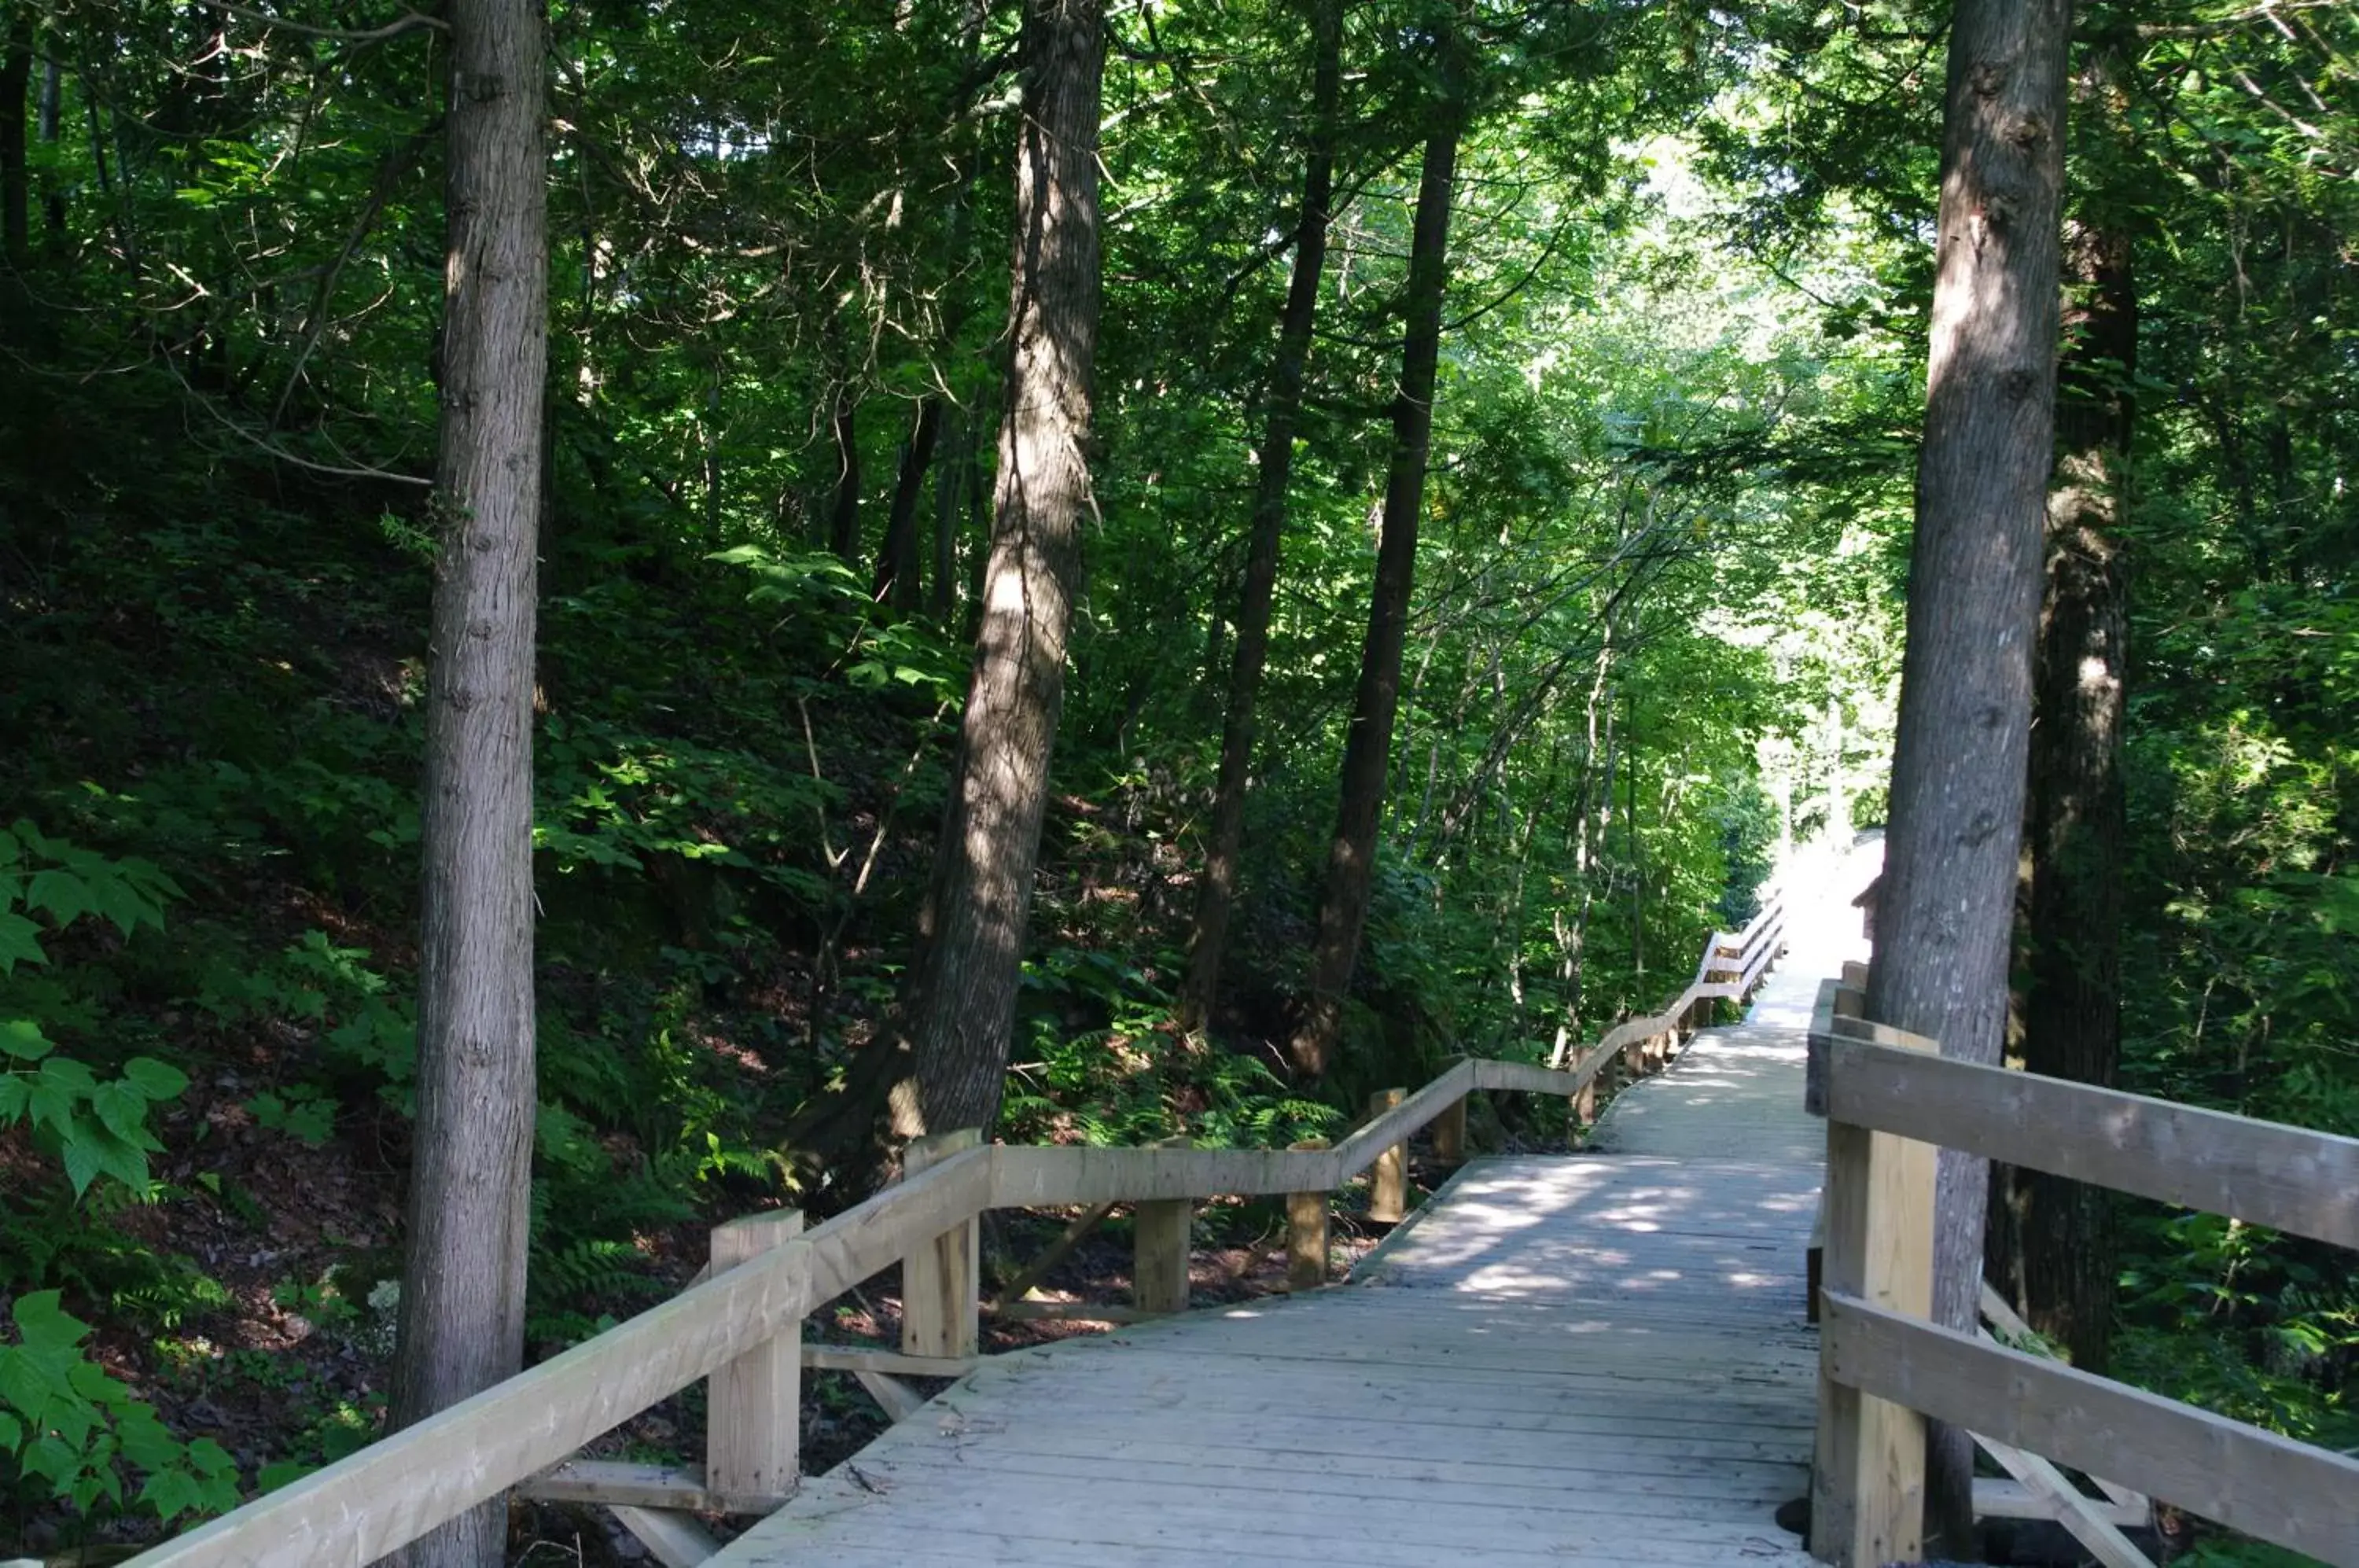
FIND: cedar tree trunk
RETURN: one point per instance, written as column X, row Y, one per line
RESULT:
column 1367, row 746
column 462, row 1298
column 1218, row 893
column 2052, row 1248
column 1946, row 915
column 960, row 1006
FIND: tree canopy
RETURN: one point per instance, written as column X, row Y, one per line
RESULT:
column 1649, row 635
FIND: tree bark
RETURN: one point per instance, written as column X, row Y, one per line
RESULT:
column 1217, row 894
column 899, row 582
column 461, row 1325
column 844, row 516
column 1367, row 746
column 2051, row 1248
column 53, row 201
column 16, row 174
column 961, row 1005
column 1947, row 910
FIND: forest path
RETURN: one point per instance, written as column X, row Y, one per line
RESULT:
column 1595, row 1358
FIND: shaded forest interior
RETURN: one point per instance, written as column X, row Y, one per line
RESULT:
column 1443, row 497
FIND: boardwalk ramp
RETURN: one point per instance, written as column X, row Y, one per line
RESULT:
column 1595, row 1358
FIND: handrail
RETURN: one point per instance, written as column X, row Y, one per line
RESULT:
column 394, row 1491
column 1890, row 1098
column 390, row 1493
column 1757, row 947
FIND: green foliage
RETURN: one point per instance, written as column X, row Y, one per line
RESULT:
column 71, row 1427
column 94, row 1127
column 1106, row 1069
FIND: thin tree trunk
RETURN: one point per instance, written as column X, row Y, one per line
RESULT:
column 844, row 516
column 16, row 175
column 461, row 1326
column 898, row 580
column 2050, row 1241
column 950, row 482
column 53, row 201
column 1217, row 894
column 1947, row 909
column 1367, row 746
column 960, row 1006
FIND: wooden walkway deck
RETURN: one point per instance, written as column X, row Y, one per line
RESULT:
column 1595, row 1358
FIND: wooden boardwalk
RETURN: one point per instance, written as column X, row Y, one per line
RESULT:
column 1593, row 1358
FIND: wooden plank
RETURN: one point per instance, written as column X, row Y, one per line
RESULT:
column 1449, row 1134
column 1868, row 1493
column 674, row 1539
column 1073, row 1312
column 1160, row 1236
column 2265, row 1174
column 1388, row 1175
column 2131, row 1507
column 1056, row 1252
column 2268, row 1487
column 1306, row 1233
column 753, row 1419
column 939, row 1304
column 896, row 1399
column 612, row 1483
column 1998, row 1498
column 2084, row 1518
column 863, row 1358
column 364, row 1507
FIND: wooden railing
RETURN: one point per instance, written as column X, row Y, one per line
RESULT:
column 1890, row 1099
column 741, row 1328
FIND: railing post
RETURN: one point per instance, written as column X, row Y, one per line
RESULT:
column 1306, row 1231
column 939, row 1309
column 1388, row 1177
column 1867, row 1492
column 1449, row 1134
column 754, row 1405
column 1158, row 1240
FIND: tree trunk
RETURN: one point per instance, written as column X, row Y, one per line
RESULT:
column 1367, row 746
column 16, row 175
column 962, row 1000
column 844, row 516
column 1217, row 893
column 53, row 200
column 463, row 1297
column 897, row 581
column 1947, row 909
column 2051, row 1242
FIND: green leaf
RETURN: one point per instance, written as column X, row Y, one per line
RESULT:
column 155, row 1080
column 124, row 1110
column 12, row 1432
column 65, row 896
column 20, row 942
column 22, row 1039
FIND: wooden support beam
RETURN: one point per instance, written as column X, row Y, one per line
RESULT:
column 1868, row 1495
column 672, row 1539
column 896, row 1399
column 1160, row 1242
column 2272, row 1487
column 939, row 1303
column 610, row 1482
column 1072, row 1312
column 1306, row 1233
column 1388, row 1177
column 754, row 1405
column 863, row 1358
column 1056, row 1252
column 1450, row 1136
